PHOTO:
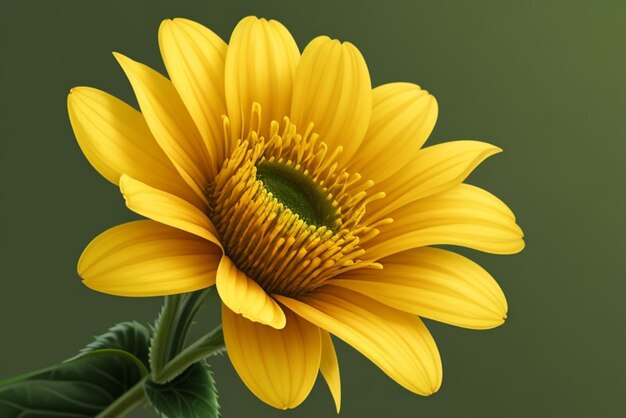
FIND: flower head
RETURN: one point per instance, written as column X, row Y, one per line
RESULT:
column 303, row 194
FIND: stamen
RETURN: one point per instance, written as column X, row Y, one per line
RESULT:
column 287, row 215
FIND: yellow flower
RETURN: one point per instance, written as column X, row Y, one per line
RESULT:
column 303, row 194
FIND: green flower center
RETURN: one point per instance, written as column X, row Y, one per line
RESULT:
column 299, row 193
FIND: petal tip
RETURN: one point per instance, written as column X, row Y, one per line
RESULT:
column 427, row 388
column 181, row 20
column 80, row 267
column 122, row 59
column 164, row 25
column 281, row 322
column 248, row 20
column 433, row 390
column 322, row 38
column 435, row 384
column 278, row 321
column 84, row 282
column 124, row 179
column 337, row 401
column 488, row 151
column 124, row 183
column 76, row 91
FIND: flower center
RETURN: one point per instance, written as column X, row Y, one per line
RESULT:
column 286, row 215
column 298, row 193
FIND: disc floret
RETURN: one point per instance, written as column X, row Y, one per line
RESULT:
column 287, row 215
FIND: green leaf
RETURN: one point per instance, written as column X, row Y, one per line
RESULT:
column 85, row 385
column 130, row 336
column 190, row 395
column 79, row 388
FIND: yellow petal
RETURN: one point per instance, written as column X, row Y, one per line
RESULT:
column 170, row 123
column 278, row 366
column 435, row 284
column 145, row 258
column 166, row 209
column 464, row 215
column 332, row 89
column 244, row 296
column 260, row 66
column 433, row 170
column 115, row 139
column 395, row 341
column 329, row 366
column 403, row 116
column 194, row 57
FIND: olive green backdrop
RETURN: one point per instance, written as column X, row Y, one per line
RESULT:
column 546, row 81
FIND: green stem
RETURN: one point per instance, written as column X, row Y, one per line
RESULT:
column 125, row 403
column 161, row 344
column 172, row 327
column 211, row 344
column 189, row 307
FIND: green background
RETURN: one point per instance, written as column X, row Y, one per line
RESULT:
column 546, row 81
